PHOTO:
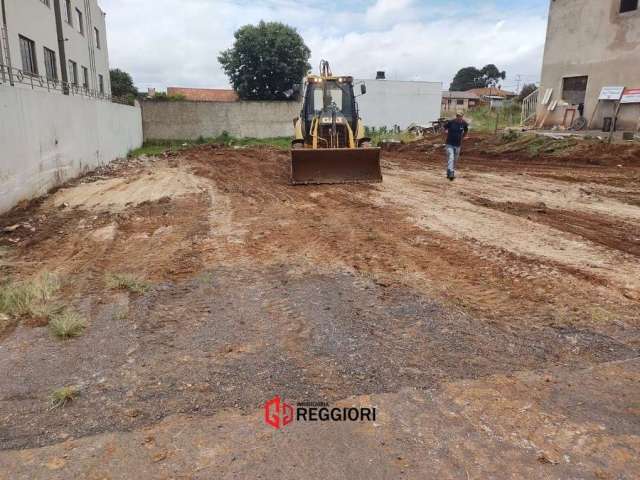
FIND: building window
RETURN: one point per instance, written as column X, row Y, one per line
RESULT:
column 28, row 52
column 85, row 78
column 80, row 23
column 50, row 65
column 97, row 32
column 101, row 84
column 67, row 12
column 460, row 102
column 628, row 6
column 73, row 72
column 574, row 89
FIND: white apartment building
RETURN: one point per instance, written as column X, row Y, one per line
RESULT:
column 59, row 43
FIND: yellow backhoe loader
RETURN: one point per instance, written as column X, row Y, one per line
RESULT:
column 330, row 144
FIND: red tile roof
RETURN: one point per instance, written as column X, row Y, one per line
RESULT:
column 491, row 92
column 460, row 95
column 204, row 94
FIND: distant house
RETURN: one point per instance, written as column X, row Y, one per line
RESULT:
column 453, row 101
column 493, row 92
column 204, row 94
column 591, row 44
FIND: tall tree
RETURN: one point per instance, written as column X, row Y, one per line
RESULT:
column 466, row 79
column 527, row 90
column 266, row 61
column 122, row 84
column 471, row 77
column 491, row 76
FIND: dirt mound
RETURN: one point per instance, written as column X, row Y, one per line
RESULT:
column 116, row 194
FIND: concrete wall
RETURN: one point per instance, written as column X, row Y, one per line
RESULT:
column 591, row 37
column 36, row 21
column 48, row 138
column 389, row 102
column 190, row 120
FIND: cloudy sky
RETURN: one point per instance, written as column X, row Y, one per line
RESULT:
column 176, row 42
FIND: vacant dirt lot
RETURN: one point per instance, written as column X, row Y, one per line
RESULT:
column 494, row 322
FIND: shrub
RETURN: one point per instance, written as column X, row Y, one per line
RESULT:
column 67, row 324
column 127, row 281
column 62, row 396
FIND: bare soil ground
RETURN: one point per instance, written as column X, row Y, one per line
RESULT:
column 493, row 321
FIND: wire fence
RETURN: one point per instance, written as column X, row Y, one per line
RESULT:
column 13, row 76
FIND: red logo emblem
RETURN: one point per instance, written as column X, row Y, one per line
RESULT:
column 278, row 413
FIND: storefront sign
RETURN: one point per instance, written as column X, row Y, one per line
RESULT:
column 631, row 95
column 611, row 93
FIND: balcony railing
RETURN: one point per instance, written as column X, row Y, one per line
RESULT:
column 15, row 76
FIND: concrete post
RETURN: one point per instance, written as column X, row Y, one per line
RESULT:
column 61, row 47
column 4, row 35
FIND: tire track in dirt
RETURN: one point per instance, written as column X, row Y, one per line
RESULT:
column 599, row 229
column 345, row 227
column 449, row 213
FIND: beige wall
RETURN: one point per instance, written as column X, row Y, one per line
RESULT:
column 190, row 120
column 36, row 21
column 591, row 37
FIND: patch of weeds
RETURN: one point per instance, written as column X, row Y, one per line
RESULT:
column 61, row 397
column 206, row 278
column 600, row 315
column 127, row 281
column 509, row 136
column 6, row 322
column 121, row 314
column 67, row 324
column 29, row 298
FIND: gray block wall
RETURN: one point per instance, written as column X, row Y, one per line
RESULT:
column 190, row 120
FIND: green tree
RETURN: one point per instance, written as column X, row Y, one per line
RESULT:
column 466, row 79
column 122, row 84
column 527, row 90
column 471, row 77
column 266, row 61
column 491, row 76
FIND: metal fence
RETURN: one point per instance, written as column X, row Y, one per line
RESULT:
column 14, row 76
column 529, row 107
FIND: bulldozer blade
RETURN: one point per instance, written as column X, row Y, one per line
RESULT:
column 339, row 165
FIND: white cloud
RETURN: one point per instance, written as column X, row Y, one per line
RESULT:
column 388, row 12
column 176, row 42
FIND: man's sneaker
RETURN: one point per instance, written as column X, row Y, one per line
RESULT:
column 451, row 175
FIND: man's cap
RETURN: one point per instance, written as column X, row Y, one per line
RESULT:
column 459, row 114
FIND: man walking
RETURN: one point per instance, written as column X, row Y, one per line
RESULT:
column 456, row 130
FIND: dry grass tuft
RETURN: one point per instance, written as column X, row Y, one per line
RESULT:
column 30, row 298
column 67, row 324
column 127, row 281
column 62, row 396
